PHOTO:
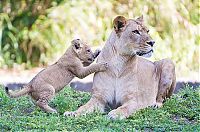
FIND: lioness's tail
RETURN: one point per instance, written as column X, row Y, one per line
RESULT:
column 23, row 91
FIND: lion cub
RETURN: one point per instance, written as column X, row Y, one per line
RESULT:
column 51, row 80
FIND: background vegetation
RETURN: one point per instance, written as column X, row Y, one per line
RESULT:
column 179, row 113
column 34, row 33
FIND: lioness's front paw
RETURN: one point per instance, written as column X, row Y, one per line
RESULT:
column 103, row 66
column 115, row 114
column 157, row 105
column 70, row 113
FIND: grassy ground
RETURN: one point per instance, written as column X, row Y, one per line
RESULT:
column 180, row 113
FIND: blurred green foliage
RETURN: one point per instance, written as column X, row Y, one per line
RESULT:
column 34, row 32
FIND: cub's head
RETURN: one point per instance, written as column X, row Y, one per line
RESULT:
column 84, row 52
column 133, row 37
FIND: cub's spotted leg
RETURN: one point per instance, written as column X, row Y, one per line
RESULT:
column 95, row 103
column 167, row 81
column 46, row 95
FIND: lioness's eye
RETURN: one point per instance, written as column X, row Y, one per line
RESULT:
column 136, row 32
column 147, row 31
column 88, row 51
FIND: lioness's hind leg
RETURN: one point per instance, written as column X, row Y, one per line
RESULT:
column 167, row 81
column 45, row 96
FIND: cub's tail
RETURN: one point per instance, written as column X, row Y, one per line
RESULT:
column 26, row 89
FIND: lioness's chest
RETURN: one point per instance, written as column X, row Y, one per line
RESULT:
column 129, row 86
column 125, row 81
column 118, row 81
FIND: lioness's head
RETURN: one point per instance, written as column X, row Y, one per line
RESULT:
column 84, row 52
column 133, row 37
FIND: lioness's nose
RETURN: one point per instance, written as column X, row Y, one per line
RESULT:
column 151, row 43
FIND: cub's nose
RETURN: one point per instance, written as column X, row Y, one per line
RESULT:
column 91, row 59
column 151, row 43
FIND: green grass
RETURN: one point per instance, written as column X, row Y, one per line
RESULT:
column 179, row 113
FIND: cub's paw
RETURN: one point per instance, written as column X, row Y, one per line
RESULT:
column 70, row 113
column 157, row 105
column 103, row 66
column 54, row 111
column 115, row 114
column 50, row 110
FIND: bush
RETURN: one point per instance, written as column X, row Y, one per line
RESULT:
column 35, row 33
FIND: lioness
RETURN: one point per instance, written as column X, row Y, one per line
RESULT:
column 51, row 80
column 131, row 82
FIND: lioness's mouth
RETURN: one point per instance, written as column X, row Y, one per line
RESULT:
column 143, row 53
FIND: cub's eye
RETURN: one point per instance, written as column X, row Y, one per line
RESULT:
column 147, row 31
column 136, row 32
column 88, row 51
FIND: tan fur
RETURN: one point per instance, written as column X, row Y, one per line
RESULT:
column 131, row 82
column 51, row 80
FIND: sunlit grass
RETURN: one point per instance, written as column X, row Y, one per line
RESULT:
column 180, row 113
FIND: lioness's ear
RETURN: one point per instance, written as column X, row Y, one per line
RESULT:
column 140, row 19
column 76, row 44
column 119, row 22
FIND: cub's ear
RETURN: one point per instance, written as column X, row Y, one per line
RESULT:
column 140, row 19
column 119, row 23
column 77, row 44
